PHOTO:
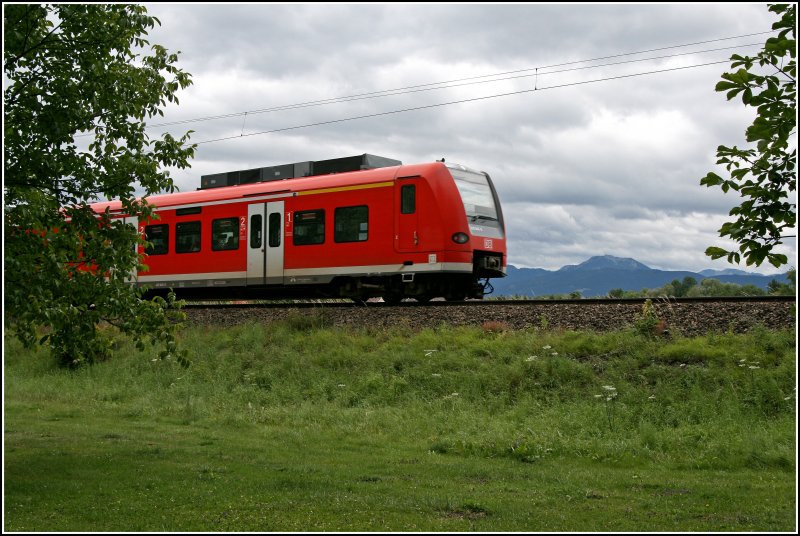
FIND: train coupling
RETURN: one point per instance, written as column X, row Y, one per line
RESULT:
column 488, row 265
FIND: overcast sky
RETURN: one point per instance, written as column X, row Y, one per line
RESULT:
column 583, row 167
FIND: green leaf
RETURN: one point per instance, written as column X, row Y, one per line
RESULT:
column 712, row 179
column 777, row 260
column 716, row 253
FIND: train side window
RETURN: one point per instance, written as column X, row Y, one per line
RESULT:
column 187, row 237
column 408, row 199
column 255, row 231
column 275, row 221
column 309, row 227
column 158, row 236
column 351, row 224
column 225, row 234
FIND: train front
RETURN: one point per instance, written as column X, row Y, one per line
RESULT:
column 486, row 237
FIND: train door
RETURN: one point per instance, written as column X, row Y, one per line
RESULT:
column 265, row 243
column 406, row 218
column 274, row 236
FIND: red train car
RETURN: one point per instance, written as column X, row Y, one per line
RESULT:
column 406, row 231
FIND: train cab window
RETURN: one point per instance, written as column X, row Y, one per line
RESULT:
column 309, row 227
column 275, row 220
column 225, row 234
column 408, row 199
column 187, row 237
column 158, row 236
column 255, row 231
column 351, row 224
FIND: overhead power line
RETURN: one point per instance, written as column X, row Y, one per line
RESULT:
column 461, row 101
column 473, row 80
column 448, row 84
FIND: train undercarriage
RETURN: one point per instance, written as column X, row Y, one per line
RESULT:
column 393, row 289
column 422, row 287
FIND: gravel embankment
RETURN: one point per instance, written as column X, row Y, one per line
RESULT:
column 687, row 319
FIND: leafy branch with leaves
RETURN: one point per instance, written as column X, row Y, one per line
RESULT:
column 80, row 89
column 765, row 176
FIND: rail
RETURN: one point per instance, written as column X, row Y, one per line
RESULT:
column 337, row 303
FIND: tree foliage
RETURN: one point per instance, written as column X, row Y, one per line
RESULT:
column 710, row 287
column 765, row 175
column 81, row 83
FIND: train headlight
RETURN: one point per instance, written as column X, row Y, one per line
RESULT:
column 460, row 238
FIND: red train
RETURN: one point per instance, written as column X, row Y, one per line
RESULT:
column 404, row 231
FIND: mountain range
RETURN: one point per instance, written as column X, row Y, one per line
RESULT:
column 598, row 275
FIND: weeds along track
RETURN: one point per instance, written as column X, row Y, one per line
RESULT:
column 673, row 316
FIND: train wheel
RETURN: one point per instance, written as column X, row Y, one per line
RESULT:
column 424, row 299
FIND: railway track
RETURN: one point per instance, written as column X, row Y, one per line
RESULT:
column 684, row 316
column 304, row 304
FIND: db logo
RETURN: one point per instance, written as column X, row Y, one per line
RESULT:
column 487, row 243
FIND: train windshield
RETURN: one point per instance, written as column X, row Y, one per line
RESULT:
column 476, row 195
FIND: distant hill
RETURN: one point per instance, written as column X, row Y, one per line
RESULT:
column 727, row 271
column 606, row 262
column 598, row 275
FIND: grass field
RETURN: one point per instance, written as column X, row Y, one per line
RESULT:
column 300, row 427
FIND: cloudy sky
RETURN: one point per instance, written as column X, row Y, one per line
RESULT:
column 599, row 159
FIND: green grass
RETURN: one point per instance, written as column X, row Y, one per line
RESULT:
column 299, row 427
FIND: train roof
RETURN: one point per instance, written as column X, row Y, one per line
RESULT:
column 288, row 186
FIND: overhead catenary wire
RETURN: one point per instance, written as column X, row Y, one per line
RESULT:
column 460, row 101
column 444, row 85
column 460, row 82
column 373, row 94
